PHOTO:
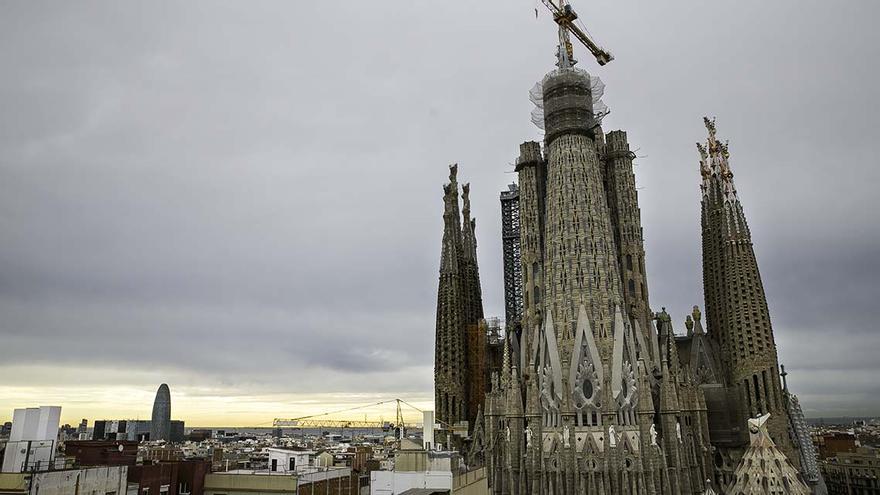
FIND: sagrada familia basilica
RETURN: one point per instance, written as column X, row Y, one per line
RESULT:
column 589, row 390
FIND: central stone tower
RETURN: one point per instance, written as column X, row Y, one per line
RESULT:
column 582, row 283
column 590, row 398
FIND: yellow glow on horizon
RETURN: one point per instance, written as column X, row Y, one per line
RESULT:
column 208, row 408
column 97, row 392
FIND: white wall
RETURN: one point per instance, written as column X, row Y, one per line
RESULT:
column 50, row 418
column 428, row 430
column 324, row 474
column 32, row 439
column 394, row 482
column 283, row 458
column 35, row 424
column 38, row 455
column 102, row 480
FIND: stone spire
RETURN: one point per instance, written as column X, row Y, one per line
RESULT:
column 471, row 291
column 718, row 187
column 580, row 259
column 669, row 352
column 460, row 350
column 531, row 170
column 626, row 224
column 450, row 356
column 736, row 306
column 702, row 361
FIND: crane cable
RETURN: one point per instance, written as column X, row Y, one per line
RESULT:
column 369, row 405
column 345, row 410
column 356, row 408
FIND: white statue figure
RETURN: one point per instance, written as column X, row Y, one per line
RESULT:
column 565, row 439
column 678, row 430
column 507, row 433
column 653, row 435
column 612, row 436
column 528, row 433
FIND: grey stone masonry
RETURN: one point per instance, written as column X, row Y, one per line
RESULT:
column 577, row 412
column 626, row 222
column 459, row 368
column 736, row 305
column 532, row 172
column 450, row 357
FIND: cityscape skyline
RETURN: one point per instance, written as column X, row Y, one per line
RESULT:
column 175, row 208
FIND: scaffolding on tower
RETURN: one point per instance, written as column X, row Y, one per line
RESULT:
column 510, row 241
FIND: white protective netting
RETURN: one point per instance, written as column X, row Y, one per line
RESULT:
column 597, row 89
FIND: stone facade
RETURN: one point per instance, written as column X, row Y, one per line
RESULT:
column 736, row 306
column 735, row 361
column 596, row 393
column 588, row 400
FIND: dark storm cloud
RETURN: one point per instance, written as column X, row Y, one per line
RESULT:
column 246, row 192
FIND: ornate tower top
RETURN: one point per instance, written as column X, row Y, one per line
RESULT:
column 717, row 186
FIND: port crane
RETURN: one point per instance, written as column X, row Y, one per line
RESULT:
column 321, row 420
column 565, row 17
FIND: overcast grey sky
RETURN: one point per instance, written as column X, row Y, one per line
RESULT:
column 243, row 199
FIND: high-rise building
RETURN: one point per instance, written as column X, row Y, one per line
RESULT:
column 99, row 431
column 82, row 431
column 176, row 431
column 160, row 426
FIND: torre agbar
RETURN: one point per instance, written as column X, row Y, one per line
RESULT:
column 591, row 391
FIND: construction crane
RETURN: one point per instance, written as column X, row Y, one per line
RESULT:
column 565, row 16
column 321, row 420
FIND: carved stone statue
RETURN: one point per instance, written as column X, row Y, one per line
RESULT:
column 663, row 316
column 612, row 436
column 696, row 313
column 507, row 433
column 548, row 398
column 565, row 437
column 653, row 435
column 678, row 431
column 528, row 434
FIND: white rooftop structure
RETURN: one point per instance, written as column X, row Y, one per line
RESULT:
column 33, row 438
